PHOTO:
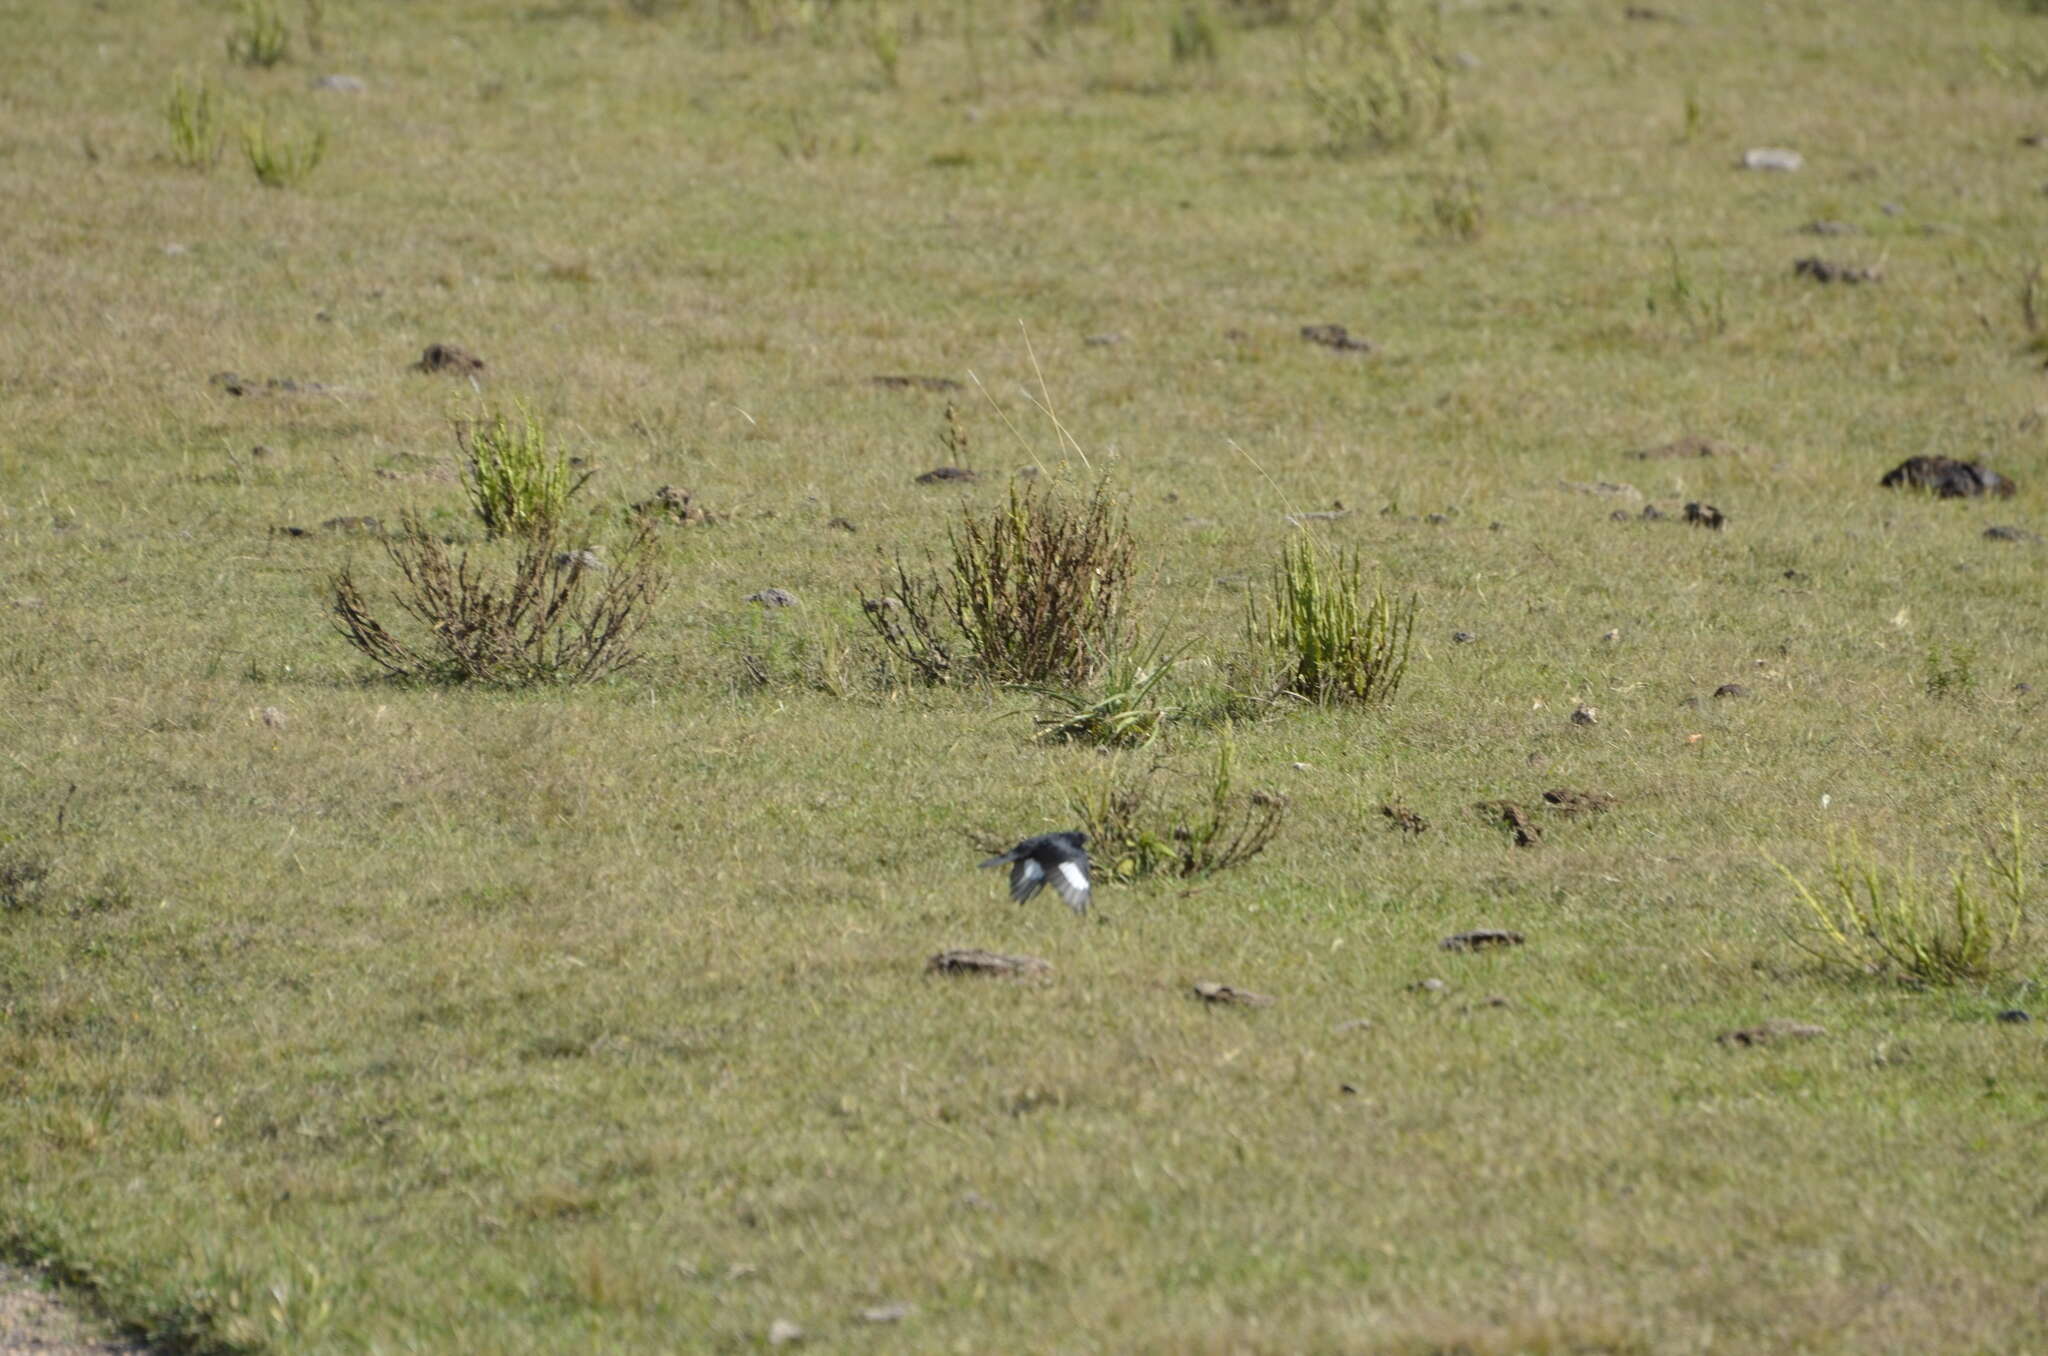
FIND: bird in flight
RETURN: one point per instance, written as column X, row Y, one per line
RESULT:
column 1061, row 858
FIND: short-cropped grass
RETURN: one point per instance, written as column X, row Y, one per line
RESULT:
column 344, row 1013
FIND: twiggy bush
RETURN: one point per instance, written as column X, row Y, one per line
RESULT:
column 556, row 616
column 1121, row 714
column 1033, row 594
column 280, row 161
column 1376, row 81
column 259, row 39
column 1133, row 834
column 194, row 116
column 1332, row 645
column 1871, row 918
column 516, row 481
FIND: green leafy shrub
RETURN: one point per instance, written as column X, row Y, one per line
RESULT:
column 1952, row 673
column 1034, row 593
column 259, row 39
column 1134, row 833
column 1872, row 918
column 1192, row 37
column 516, row 480
column 194, row 115
column 1376, row 81
column 279, row 160
column 1120, row 713
column 555, row 616
column 1331, row 645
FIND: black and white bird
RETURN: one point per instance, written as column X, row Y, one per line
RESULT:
column 1061, row 858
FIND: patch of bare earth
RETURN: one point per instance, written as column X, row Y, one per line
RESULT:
column 31, row 1321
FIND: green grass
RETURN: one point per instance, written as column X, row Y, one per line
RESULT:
column 340, row 1015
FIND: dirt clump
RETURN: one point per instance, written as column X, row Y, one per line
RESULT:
column 1947, row 478
column 975, row 961
column 1337, row 337
column 1569, row 802
column 1401, row 817
column 451, row 358
column 915, row 382
column 1826, row 271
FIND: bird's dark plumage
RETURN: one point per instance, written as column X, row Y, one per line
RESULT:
column 1060, row 858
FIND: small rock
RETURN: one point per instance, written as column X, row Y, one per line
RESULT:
column 1428, row 986
column 341, row 84
column 1482, row 939
column 936, row 385
column 1705, row 515
column 876, row 607
column 1826, row 271
column 580, row 560
column 1209, row 991
column 940, row 475
column 274, row 718
column 974, row 961
column 1337, row 337
column 1462, row 637
column 782, row 1333
column 1774, row 158
column 2014, row 1016
column 1947, row 478
column 886, row 1313
column 773, row 598
column 2008, row 533
column 1611, row 637
column 261, row 453
column 1586, row 715
column 174, row 249
column 1355, row 1024
column 1771, row 1032
column 1729, row 690
column 452, row 358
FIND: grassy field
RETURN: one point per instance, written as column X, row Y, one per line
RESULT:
column 338, row 1014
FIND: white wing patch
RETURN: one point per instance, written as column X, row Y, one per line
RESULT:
column 1073, row 885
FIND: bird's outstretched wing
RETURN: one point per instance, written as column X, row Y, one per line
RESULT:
column 1070, row 878
column 1027, row 878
